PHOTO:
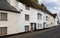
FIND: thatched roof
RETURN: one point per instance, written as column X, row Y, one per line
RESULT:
column 54, row 15
column 34, row 4
column 4, row 5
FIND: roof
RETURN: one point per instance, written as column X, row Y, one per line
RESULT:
column 34, row 4
column 4, row 5
column 54, row 15
column 30, row 3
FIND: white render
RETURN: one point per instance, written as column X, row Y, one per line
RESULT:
column 33, row 18
column 11, row 23
column 16, row 21
column 56, row 20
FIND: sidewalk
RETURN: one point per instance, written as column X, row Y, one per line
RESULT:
column 26, row 35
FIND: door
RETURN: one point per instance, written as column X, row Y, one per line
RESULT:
column 3, row 30
column 44, row 25
column 34, row 26
column 31, row 27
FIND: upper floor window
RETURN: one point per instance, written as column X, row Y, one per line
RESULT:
column 3, row 16
column 26, row 17
column 46, row 18
column 39, row 16
column 27, row 7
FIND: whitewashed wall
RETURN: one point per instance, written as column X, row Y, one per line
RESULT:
column 16, row 21
column 12, row 23
column 33, row 17
column 21, row 18
column 56, row 20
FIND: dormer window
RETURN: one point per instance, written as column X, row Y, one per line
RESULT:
column 27, row 7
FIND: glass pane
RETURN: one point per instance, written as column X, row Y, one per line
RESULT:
column 3, row 16
column 26, row 17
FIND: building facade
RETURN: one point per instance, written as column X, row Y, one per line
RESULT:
column 22, row 16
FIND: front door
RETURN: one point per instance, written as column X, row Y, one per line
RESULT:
column 33, row 26
column 44, row 25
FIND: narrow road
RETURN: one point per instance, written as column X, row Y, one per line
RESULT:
column 54, row 33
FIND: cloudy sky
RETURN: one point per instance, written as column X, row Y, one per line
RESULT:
column 52, row 5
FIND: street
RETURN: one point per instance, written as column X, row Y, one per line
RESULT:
column 55, row 33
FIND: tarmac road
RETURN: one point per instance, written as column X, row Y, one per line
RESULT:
column 54, row 33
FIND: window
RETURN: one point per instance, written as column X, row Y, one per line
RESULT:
column 39, row 25
column 39, row 16
column 3, row 16
column 27, row 7
column 26, row 17
column 26, row 28
column 3, row 30
column 46, row 18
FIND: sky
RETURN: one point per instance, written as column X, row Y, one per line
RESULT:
column 52, row 5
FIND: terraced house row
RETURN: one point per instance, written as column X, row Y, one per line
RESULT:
column 18, row 16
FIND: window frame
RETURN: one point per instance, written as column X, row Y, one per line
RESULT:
column 26, row 18
column 1, row 19
column 26, row 26
column 47, row 18
column 39, row 16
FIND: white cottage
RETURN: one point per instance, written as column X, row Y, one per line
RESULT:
column 31, row 16
column 34, row 16
column 8, row 18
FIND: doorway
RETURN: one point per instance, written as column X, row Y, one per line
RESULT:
column 44, row 24
column 33, row 26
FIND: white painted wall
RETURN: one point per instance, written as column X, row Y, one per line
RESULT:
column 16, row 21
column 21, row 18
column 33, row 18
column 56, row 20
column 12, row 23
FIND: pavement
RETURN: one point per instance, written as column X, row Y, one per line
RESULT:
column 46, row 33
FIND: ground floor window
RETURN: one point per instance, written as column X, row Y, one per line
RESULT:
column 3, row 30
column 26, row 28
column 39, row 26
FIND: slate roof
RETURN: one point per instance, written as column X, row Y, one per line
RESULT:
column 4, row 5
